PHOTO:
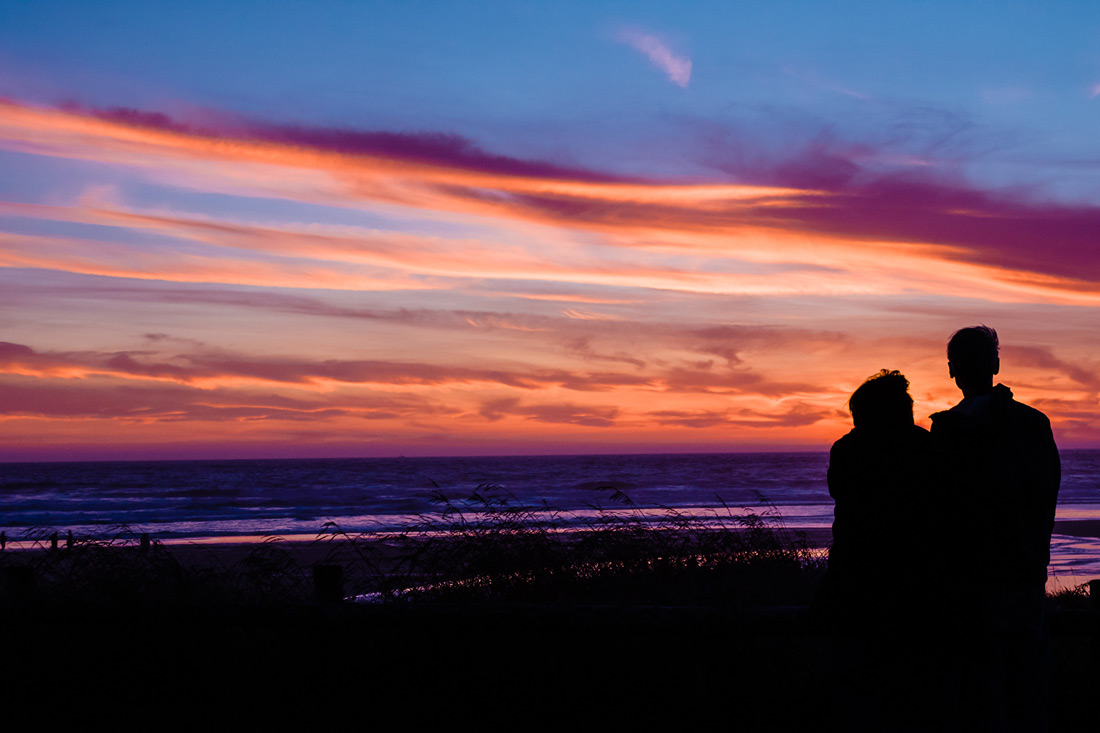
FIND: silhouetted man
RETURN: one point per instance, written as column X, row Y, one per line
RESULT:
column 1002, row 471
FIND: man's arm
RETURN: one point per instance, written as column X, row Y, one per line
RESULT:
column 1051, row 475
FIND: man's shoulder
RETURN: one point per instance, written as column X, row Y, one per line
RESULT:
column 1029, row 412
column 947, row 419
column 1022, row 412
column 993, row 407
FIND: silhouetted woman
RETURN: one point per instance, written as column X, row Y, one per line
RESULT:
column 879, row 588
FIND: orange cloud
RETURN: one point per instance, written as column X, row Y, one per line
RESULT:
column 964, row 239
column 632, row 308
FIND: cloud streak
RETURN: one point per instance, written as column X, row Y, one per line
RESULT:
column 506, row 298
column 676, row 67
column 212, row 368
column 962, row 239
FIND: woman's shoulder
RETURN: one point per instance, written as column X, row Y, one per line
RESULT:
column 858, row 437
column 846, row 439
column 850, row 442
column 864, row 450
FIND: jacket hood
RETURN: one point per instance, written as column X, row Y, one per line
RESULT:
column 978, row 409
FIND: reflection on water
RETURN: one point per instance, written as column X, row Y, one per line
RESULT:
column 1078, row 511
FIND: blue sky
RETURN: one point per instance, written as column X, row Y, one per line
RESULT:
column 1006, row 90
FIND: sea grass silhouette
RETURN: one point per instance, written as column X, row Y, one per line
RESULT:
column 487, row 546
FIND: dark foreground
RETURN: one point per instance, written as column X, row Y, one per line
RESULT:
column 766, row 670
column 431, row 662
column 509, row 624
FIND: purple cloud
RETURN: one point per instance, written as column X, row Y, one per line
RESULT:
column 435, row 148
column 846, row 196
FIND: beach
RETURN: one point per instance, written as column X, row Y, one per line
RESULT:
column 692, row 661
column 1075, row 550
column 222, row 610
column 452, row 657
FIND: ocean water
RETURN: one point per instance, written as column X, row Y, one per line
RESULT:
column 217, row 498
column 187, row 500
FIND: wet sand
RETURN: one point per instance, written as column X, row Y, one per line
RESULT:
column 225, row 551
column 308, row 551
column 1078, row 527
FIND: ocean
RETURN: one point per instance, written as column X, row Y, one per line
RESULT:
column 181, row 501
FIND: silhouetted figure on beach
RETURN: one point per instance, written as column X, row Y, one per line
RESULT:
column 877, row 477
column 878, row 592
column 1002, row 471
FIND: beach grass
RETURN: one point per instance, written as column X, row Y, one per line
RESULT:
column 489, row 547
column 118, row 570
column 484, row 547
column 484, row 598
column 482, row 605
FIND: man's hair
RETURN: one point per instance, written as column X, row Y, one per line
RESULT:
column 882, row 401
column 973, row 351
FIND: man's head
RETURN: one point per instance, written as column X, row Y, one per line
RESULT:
column 882, row 401
column 972, row 358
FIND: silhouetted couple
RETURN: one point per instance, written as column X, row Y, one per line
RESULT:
column 941, row 540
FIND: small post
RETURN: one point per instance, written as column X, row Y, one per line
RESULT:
column 53, row 541
column 328, row 583
column 144, row 543
column 69, row 540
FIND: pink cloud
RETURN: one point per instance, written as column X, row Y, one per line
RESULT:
column 677, row 68
column 664, row 352
column 599, row 417
column 435, row 148
column 1042, row 359
column 117, row 399
column 202, row 367
column 799, row 415
column 824, row 192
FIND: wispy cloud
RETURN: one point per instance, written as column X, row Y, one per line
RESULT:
column 830, row 215
column 797, row 416
column 549, row 295
column 678, row 68
column 155, row 402
column 206, row 369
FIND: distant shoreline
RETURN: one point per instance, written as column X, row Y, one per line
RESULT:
column 308, row 550
column 459, row 456
column 820, row 450
column 818, row 537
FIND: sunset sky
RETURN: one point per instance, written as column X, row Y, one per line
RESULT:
column 290, row 229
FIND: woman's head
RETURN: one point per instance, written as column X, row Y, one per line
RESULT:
column 882, row 401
